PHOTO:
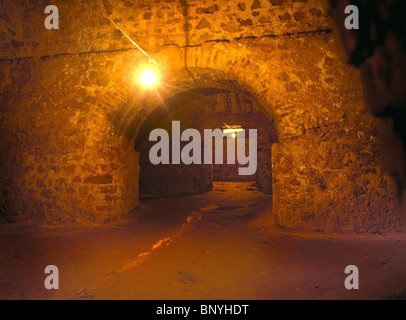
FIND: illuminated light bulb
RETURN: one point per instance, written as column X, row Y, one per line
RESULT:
column 148, row 78
column 232, row 130
column 234, row 135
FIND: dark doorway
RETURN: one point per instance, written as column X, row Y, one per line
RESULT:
column 205, row 109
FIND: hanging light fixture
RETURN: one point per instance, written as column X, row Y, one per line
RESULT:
column 149, row 76
column 233, row 130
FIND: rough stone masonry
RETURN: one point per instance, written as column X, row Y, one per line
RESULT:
column 71, row 111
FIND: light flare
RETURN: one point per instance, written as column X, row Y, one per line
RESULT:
column 148, row 78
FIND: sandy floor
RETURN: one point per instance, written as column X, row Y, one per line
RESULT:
column 210, row 246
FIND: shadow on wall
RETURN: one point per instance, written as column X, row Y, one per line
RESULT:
column 377, row 48
column 206, row 109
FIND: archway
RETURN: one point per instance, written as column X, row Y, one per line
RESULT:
column 327, row 156
column 202, row 109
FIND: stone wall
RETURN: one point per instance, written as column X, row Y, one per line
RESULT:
column 152, row 23
column 72, row 109
column 332, row 187
column 377, row 48
column 60, row 162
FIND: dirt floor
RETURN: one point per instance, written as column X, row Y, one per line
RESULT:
column 211, row 246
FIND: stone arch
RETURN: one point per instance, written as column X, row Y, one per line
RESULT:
column 134, row 109
column 327, row 172
column 309, row 114
column 207, row 108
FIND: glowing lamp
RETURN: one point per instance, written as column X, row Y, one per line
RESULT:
column 232, row 130
column 148, row 78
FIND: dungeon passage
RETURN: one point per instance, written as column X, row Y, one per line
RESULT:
column 199, row 109
column 75, row 121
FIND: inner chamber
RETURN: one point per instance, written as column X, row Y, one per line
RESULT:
column 208, row 108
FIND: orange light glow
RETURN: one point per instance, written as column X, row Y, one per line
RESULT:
column 148, row 78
